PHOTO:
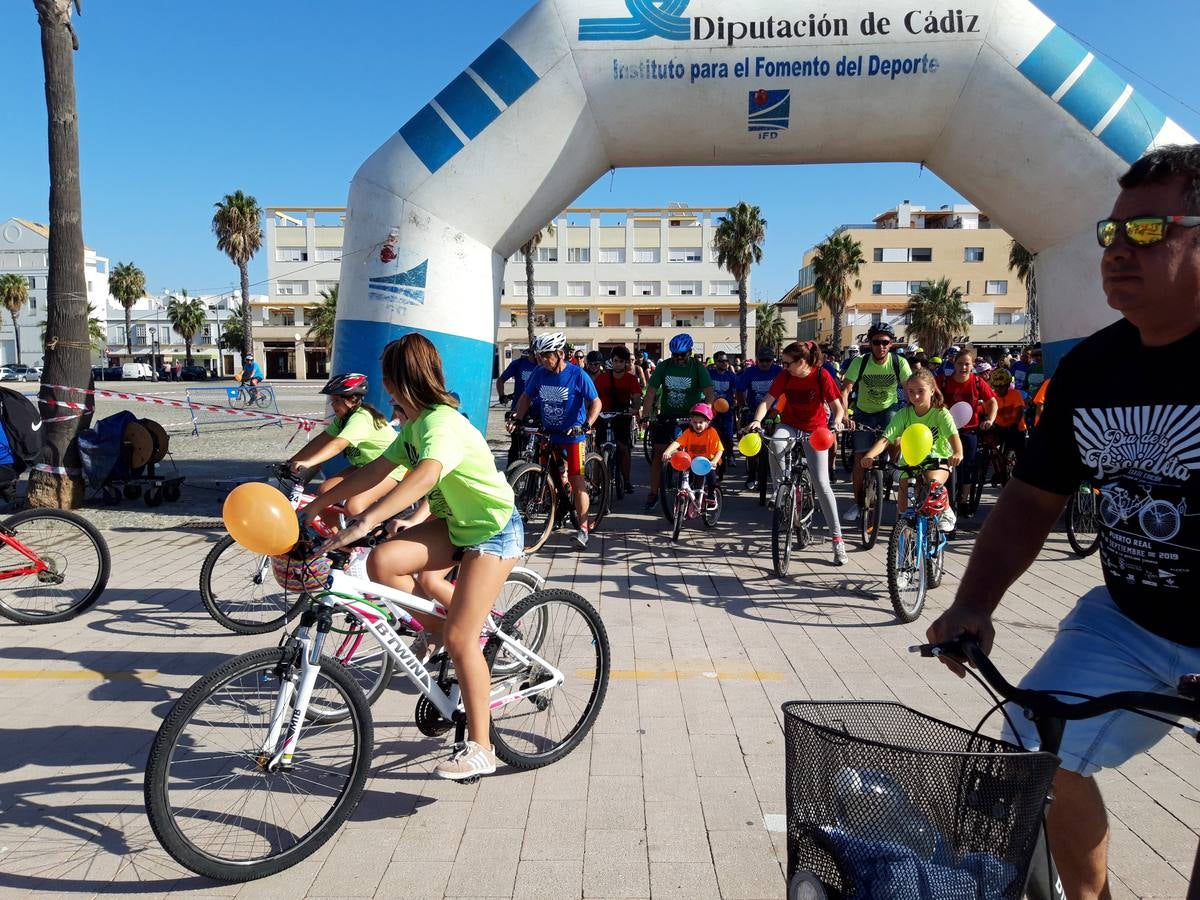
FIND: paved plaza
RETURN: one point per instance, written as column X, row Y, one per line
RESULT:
column 678, row 790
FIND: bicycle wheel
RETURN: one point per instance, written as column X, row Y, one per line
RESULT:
column 681, row 506
column 803, row 516
column 262, row 399
column 1083, row 521
column 537, row 501
column 935, row 565
column 76, row 559
column 906, row 571
column 872, row 510
column 215, row 809
column 595, row 477
column 616, row 484
column 239, row 591
column 712, row 514
column 521, row 583
column 1160, row 520
column 783, row 531
column 545, row 727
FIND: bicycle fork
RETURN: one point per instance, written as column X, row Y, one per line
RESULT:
column 293, row 695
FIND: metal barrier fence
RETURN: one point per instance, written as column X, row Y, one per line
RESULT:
column 260, row 398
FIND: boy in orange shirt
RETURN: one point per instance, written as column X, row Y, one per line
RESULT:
column 1009, row 427
column 700, row 439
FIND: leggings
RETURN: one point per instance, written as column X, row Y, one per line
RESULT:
column 818, row 471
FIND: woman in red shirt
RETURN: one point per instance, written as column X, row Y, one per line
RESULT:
column 964, row 386
column 805, row 389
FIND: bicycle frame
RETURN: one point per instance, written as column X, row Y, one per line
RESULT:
column 39, row 566
column 685, row 493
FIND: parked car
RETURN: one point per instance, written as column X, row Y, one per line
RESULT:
column 18, row 372
column 194, row 373
column 138, row 371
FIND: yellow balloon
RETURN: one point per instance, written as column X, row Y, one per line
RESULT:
column 750, row 444
column 260, row 518
column 916, row 443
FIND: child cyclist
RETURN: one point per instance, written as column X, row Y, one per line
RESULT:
column 474, row 523
column 701, row 439
column 359, row 431
column 927, row 407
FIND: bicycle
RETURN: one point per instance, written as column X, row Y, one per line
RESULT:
column 877, row 488
column 991, row 458
column 56, row 567
column 692, row 501
column 247, row 775
column 791, row 522
column 612, row 451
column 246, row 395
column 916, row 558
column 1083, row 519
column 758, row 467
column 543, row 493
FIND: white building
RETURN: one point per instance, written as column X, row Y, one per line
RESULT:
column 24, row 249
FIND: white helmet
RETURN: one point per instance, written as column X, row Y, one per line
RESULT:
column 548, row 343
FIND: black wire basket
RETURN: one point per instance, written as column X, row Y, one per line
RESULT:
column 883, row 801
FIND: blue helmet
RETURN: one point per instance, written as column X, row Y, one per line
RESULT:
column 681, row 343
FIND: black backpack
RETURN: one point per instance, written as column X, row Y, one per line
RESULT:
column 23, row 428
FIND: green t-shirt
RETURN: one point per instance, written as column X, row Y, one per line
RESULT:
column 679, row 388
column 936, row 420
column 474, row 499
column 877, row 386
column 366, row 439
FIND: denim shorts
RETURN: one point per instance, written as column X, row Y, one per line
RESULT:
column 508, row 544
column 865, row 440
column 1098, row 650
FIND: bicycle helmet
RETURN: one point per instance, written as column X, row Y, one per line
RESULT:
column 248, row 358
column 595, row 358
column 349, row 385
column 681, row 343
column 983, row 368
column 703, row 409
column 879, row 328
column 549, row 343
column 301, row 576
column 938, row 500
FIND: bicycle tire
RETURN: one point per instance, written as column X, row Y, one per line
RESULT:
column 537, row 500
column 66, row 542
column 680, row 515
column 267, row 608
column 871, row 513
column 512, row 729
column 904, row 565
column 713, row 516
column 258, row 669
column 647, row 444
column 616, row 483
column 782, row 529
column 595, row 479
column 1083, row 533
column 262, row 399
column 935, row 565
column 805, row 510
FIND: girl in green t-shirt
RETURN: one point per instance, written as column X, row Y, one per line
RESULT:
column 926, row 406
column 474, row 523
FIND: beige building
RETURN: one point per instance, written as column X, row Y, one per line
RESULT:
column 904, row 248
column 625, row 276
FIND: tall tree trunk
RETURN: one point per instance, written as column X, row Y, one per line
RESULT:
column 1033, row 329
column 743, row 313
column 16, row 336
column 67, row 347
column 247, row 328
column 529, row 307
column 837, row 310
column 129, row 331
column 187, row 350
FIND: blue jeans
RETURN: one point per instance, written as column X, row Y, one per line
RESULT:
column 509, row 543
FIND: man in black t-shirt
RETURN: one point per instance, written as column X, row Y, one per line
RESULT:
column 1133, row 433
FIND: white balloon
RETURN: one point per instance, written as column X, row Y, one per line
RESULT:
column 960, row 412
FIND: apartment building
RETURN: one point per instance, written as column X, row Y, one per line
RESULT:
column 632, row 277
column 905, row 247
column 156, row 342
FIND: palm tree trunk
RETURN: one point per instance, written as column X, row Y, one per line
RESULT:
column 837, row 310
column 1033, row 327
column 743, row 312
column 16, row 335
column 187, row 350
column 529, row 308
column 247, row 329
column 129, row 332
column 66, row 297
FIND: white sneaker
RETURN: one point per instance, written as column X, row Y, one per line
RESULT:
column 851, row 513
column 839, row 553
column 581, row 538
column 948, row 520
column 467, row 760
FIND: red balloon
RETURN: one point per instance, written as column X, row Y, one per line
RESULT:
column 681, row 461
column 822, row 439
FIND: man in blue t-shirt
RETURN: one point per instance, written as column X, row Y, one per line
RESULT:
column 752, row 386
column 522, row 366
column 252, row 374
column 568, row 404
column 724, row 383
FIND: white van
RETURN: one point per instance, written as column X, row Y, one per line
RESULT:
column 137, row 372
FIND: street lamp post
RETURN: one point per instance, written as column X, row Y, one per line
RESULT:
column 637, row 342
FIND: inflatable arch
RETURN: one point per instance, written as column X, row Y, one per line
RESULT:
column 989, row 94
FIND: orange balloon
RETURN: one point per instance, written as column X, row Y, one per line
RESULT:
column 260, row 518
column 721, row 405
column 681, row 461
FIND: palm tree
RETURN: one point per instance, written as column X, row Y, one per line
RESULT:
column 239, row 236
column 127, row 283
column 529, row 249
column 323, row 317
column 769, row 326
column 232, row 332
column 97, row 336
column 836, row 265
column 14, row 292
column 68, row 361
column 1024, row 263
column 937, row 314
column 187, row 316
column 738, row 242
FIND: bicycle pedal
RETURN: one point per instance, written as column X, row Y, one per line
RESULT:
column 473, row 779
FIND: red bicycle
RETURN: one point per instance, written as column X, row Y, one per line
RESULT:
column 54, row 564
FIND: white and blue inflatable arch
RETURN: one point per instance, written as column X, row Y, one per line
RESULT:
column 989, row 94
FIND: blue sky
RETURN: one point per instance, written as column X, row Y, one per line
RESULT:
column 183, row 103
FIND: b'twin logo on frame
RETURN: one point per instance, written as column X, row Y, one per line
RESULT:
column 770, row 113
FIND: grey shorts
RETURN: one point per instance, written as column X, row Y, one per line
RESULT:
column 865, row 440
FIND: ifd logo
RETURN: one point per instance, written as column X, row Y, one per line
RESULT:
column 646, row 19
column 770, row 113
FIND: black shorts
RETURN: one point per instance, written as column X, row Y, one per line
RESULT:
column 621, row 429
column 664, row 431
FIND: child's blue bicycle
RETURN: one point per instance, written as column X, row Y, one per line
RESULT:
column 916, row 551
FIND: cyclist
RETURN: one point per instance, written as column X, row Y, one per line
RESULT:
column 724, row 382
column 523, row 365
column 359, row 431
column 594, row 364
column 578, row 358
column 474, row 524
column 1118, row 427
column 1009, row 430
column 964, row 386
column 619, row 392
column 568, row 405
column 683, row 382
column 700, row 440
column 252, row 376
column 877, row 381
column 752, row 386
column 948, row 367
column 806, row 388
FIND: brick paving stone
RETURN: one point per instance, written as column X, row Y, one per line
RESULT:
column 486, row 863
column 615, row 864
column 538, row 879
column 683, row 880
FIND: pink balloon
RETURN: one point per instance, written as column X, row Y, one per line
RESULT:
column 961, row 413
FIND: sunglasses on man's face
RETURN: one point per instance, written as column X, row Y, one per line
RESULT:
column 881, row 343
column 1141, row 231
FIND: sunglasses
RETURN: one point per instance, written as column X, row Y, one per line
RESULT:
column 881, row 343
column 1141, row 231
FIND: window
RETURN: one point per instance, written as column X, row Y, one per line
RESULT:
column 612, row 254
column 903, row 254
column 684, row 322
column 684, row 288
column 291, row 288
column 579, row 254
column 328, row 254
column 972, row 254
column 540, row 289
column 722, row 288
column 891, row 288
column 920, row 254
column 996, row 287
column 647, row 255
column 725, row 318
column 89, row 287
column 1003, row 318
column 612, row 288
column 683, row 254
column 291, row 254
column 101, row 267
column 282, row 318
column 611, row 319
column 579, row 288
column 914, row 286
column 577, row 318
column 32, row 282
column 647, row 288
column 547, row 254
